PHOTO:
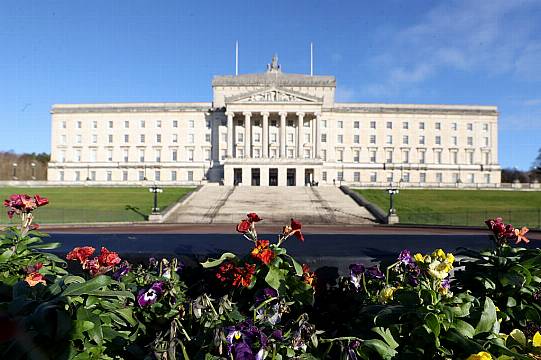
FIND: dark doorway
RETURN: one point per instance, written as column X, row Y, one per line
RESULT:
column 308, row 176
column 273, row 177
column 291, row 174
column 237, row 176
column 255, row 176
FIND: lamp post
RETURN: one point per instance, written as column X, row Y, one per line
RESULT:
column 392, row 217
column 155, row 189
column 33, row 164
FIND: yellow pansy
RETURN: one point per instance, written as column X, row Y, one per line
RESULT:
column 439, row 253
column 450, row 258
column 483, row 355
column 418, row 257
column 387, row 293
column 536, row 341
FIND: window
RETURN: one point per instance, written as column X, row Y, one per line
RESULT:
column 438, row 126
column 290, row 153
column 324, row 155
column 190, row 175
column 323, row 124
column 339, row 155
column 93, row 175
column 64, row 125
column 109, row 155
column 340, row 139
column 373, row 177
column 470, row 157
column 486, row 141
column 454, row 140
column 207, row 154
column 141, row 175
column 158, row 123
column 454, row 126
column 487, row 178
column 224, row 137
column 355, row 124
column 175, row 125
column 125, row 153
column 290, row 123
column 485, row 127
column 240, row 153
column 61, row 175
column 438, row 140
column 174, row 154
column 273, row 153
column 389, row 156
column 421, row 140
column 77, row 176
column 93, row 154
column 437, row 157
column 356, row 139
column 190, row 154
column 175, row 138
column 94, row 139
column 422, row 177
column 157, row 175
column 126, row 138
column 306, row 124
column 63, row 139
column 223, row 154
column 390, row 177
column 405, row 156
column 158, row 138
column 422, row 157
column 455, row 178
column 257, row 153
column 324, row 175
column 141, row 155
column 207, row 123
column 405, row 139
column 78, row 155
column 405, row 125
column 340, row 124
column 207, row 137
column 323, row 138
column 142, row 123
column 257, row 137
column 273, row 137
column 372, row 124
column 406, row 177
column 356, row 156
column 454, row 157
column 110, row 138
column 158, row 154
column 79, row 139
column 439, row 177
column 61, row 156
column 110, row 124
column 421, row 126
column 469, row 126
column 470, row 141
column 372, row 156
column 240, row 137
column 290, row 138
column 173, row 175
column 307, row 138
column 126, row 124
column 471, row 178
column 340, row 176
column 109, row 176
column 389, row 139
column 95, row 124
column 124, row 175
column 79, row 124
column 486, row 158
column 191, row 124
column 191, row 139
column 142, row 138
column 307, row 153
column 389, row 125
column 357, row 176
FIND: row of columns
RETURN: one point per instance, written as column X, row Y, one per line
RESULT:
column 265, row 133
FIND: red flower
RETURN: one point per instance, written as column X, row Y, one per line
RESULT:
column 262, row 251
column 296, row 229
column 93, row 267
column 34, row 278
column 108, row 258
column 244, row 226
column 253, row 217
column 225, row 271
column 40, row 201
column 243, row 275
column 33, row 268
column 80, row 253
column 308, row 276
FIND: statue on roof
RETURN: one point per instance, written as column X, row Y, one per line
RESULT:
column 273, row 66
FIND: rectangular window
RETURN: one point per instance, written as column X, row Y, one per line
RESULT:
column 175, row 138
column 190, row 175
column 290, row 138
column 405, row 139
column 438, row 126
column 470, row 157
column 487, row 178
column 257, row 153
column 355, row 124
column 158, row 138
column 307, row 153
column 110, row 138
column 471, row 178
column 109, row 176
column 240, row 153
column 438, row 140
column 389, row 125
column 470, row 140
column 141, row 175
column 79, row 124
column 422, row 177
column 372, row 124
column 61, row 175
column 173, row 175
column 158, row 154
column 207, row 154
column 405, row 156
column 390, row 177
column 223, row 154
column 207, row 138
column 485, row 127
column 356, row 156
column 306, row 124
column 95, row 124
column 125, row 153
column 323, row 138
column 157, row 175
column 224, row 137
column 324, row 155
column 454, row 157
column 142, row 138
column 174, row 154
column 158, row 123
column 469, row 126
column 372, row 156
column 422, row 157
column 79, row 138
column 110, row 124
column 93, row 175
column 93, row 155
column 61, row 157
column 357, row 176
column 405, row 125
column 257, row 137
column 486, row 141
column 109, row 155
column 126, row 138
column 63, row 139
column 175, row 125
column 339, row 155
column 486, row 158
column 340, row 176
column 437, row 156
column 389, row 156
column 64, row 124
column 240, row 137
column 454, row 126
column 290, row 153
column 340, row 139
column 340, row 124
column 77, row 176
column 406, row 177
column 191, row 124
column 94, row 139
column 439, row 177
column 389, row 139
column 372, row 139
column 142, row 123
column 207, row 123
column 323, row 124
column 190, row 154
column 78, row 155
column 421, row 140
column 124, row 175
column 421, row 126
column 141, row 155
column 373, row 177
column 273, row 137
column 324, row 175
column 273, row 153
column 191, row 138
column 454, row 140
column 356, row 139
column 126, row 124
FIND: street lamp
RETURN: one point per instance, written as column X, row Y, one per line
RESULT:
column 33, row 164
column 392, row 191
column 14, row 171
column 155, row 189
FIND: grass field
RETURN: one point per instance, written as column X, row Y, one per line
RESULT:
column 461, row 207
column 94, row 204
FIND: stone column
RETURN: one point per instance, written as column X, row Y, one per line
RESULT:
column 265, row 134
column 317, row 141
column 283, row 116
column 247, row 135
column 230, row 130
column 300, row 139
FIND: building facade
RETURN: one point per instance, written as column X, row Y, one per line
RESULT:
column 275, row 129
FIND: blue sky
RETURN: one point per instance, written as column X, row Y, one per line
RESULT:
column 452, row 52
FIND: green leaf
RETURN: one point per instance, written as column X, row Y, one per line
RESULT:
column 4, row 257
column 88, row 287
column 46, row 246
column 519, row 337
column 387, row 336
column 384, row 350
column 464, row 328
column 127, row 314
column 488, row 318
column 274, row 277
column 213, row 263
column 297, row 266
column 433, row 323
column 111, row 293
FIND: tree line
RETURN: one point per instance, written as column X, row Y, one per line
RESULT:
column 28, row 166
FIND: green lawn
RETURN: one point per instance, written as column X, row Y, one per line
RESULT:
column 461, row 207
column 94, row 204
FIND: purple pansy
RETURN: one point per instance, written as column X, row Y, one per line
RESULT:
column 356, row 272
column 123, row 270
column 374, row 272
column 265, row 294
column 242, row 337
column 405, row 257
column 150, row 296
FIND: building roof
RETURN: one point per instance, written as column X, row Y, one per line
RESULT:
column 273, row 78
column 416, row 108
column 130, row 107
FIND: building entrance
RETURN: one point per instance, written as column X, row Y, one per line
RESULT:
column 255, row 176
column 237, row 176
column 273, row 177
column 308, row 176
column 291, row 174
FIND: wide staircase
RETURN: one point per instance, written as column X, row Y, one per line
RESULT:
column 311, row 205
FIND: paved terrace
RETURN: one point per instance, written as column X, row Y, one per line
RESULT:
column 312, row 205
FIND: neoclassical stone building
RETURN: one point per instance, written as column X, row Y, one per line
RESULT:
column 275, row 129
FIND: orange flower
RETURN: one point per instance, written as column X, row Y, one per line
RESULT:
column 308, row 276
column 520, row 234
column 35, row 278
column 243, row 275
column 80, row 253
column 262, row 251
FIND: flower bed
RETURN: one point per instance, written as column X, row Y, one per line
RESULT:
column 266, row 305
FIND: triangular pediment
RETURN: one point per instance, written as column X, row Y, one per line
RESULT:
column 274, row 95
